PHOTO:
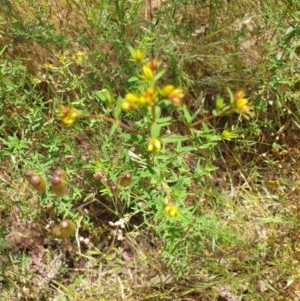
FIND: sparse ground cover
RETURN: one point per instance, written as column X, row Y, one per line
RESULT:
column 149, row 150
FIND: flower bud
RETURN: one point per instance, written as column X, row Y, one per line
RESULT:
column 58, row 183
column 113, row 188
column 154, row 145
column 60, row 173
column 38, row 183
column 147, row 72
column 65, row 229
column 154, row 64
column 28, row 173
column 35, row 181
column 58, row 186
column 124, row 180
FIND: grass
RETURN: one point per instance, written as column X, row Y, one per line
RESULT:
column 133, row 165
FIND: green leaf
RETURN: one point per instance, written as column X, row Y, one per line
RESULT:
column 215, row 112
column 186, row 149
column 210, row 168
column 188, row 117
column 159, row 75
column 165, row 121
column 230, row 95
column 219, row 103
column 184, row 215
column 104, row 96
column 207, row 145
column 104, row 152
column 133, row 79
column 2, row 50
column 118, row 110
column 113, row 129
column 155, row 130
column 174, row 138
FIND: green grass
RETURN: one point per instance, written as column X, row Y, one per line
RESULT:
column 184, row 197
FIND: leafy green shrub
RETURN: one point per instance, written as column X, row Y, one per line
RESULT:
column 151, row 172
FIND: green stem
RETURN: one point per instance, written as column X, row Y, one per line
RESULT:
column 153, row 118
column 114, row 121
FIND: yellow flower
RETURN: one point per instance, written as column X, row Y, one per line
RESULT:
column 176, row 96
column 138, row 55
column 127, row 106
column 167, row 90
column 173, row 94
column 148, row 97
column 241, row 103
column 130, row 102
column 147, row 72
column 226, row 135
column 171, row 210
column 154, row 145
column 69, row 115
column 48, row 66
column 131, row 98
column 78, row 57
column 62, row 58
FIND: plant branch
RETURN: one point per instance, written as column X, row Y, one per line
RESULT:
column 114, row 121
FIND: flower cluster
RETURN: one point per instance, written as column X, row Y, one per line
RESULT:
column 131, row 101
column 173, row 94
column 58, row 183
column 69, row 115
column 241, row 104
column 151, row 95
column 66, row 58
